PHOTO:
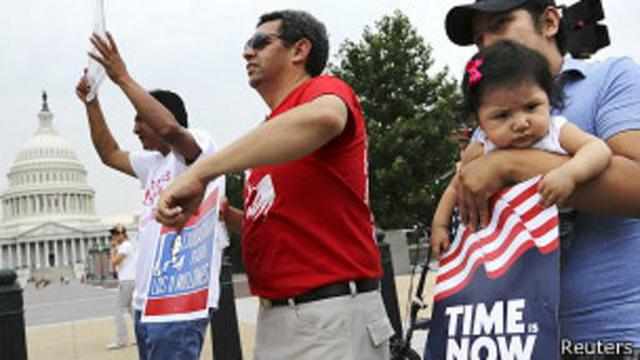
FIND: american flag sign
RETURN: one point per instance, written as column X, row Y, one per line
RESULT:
column 497, row 289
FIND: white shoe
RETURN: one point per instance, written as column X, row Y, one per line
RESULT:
column 115, row 346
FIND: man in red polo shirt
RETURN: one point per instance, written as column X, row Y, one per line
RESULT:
column 308, row 232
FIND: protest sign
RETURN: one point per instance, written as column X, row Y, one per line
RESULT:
column 181, row 277
column 497, row 289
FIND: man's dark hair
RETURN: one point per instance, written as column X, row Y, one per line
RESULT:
column 174, row 103
column 536, row 9
column 507, row 64
column 296, row 25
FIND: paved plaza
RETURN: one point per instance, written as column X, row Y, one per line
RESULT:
column 56, row 303
column 74, row 321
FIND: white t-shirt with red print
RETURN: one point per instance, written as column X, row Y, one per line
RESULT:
column 127, row 267
column 155, row 171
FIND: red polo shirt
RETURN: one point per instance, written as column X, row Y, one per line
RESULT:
column 308, row 222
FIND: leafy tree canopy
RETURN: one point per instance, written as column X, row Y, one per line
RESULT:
column 411, row 113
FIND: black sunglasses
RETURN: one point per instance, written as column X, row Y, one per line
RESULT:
column 260, row 40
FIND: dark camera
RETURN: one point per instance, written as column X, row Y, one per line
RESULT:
column 584, row 35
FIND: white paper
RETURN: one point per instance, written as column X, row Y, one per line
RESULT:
column 95, row 72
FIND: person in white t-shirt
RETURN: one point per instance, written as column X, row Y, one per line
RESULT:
column 169, row 147
column 123, row 258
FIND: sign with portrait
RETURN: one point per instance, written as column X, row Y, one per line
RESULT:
column 181, row 277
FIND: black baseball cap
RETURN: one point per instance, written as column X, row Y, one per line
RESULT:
column 459, row 19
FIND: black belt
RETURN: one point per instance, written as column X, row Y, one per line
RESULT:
column 325, row 292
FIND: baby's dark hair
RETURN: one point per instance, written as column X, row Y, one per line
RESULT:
column 507, row 64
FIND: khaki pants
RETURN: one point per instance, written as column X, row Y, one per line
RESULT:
column 345, row 327
column 123, row 304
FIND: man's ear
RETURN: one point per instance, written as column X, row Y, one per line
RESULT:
column 301, row 50
column 550, row 22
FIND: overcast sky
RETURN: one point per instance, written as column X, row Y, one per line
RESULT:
column 192, row 47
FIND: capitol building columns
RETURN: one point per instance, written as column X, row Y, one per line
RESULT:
column 38, row 254
column 48, row 209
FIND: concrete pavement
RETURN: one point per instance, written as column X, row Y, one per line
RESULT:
column 57, row 303
column 74, row 322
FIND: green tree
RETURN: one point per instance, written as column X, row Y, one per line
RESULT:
column 411, row 112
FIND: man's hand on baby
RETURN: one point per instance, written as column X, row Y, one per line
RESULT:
column 555, row 187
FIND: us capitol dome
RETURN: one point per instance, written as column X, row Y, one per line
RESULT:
column 49, row 217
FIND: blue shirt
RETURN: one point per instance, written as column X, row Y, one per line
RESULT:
column 600, row 291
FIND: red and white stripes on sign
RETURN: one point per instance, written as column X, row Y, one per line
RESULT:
column 517, row 224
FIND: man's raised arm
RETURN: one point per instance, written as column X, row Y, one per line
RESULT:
column 104, row 143
column 150, row 110
column 287, row 137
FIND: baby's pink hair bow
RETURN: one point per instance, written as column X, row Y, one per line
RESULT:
column 473, row 69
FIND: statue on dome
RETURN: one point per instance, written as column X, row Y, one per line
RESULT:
column 45, row 106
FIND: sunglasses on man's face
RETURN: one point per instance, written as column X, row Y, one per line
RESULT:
column 260, row 40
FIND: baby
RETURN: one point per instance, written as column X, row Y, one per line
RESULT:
column 509, row 90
